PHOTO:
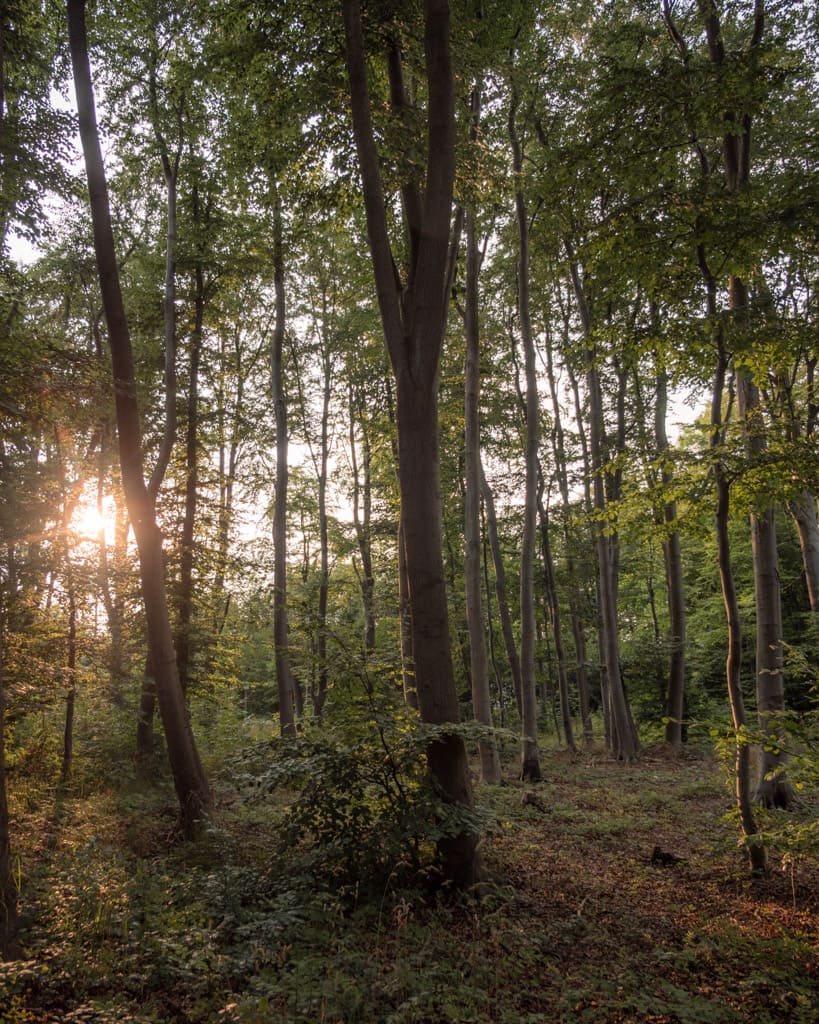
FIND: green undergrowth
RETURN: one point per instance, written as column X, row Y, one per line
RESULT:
column 313, row 897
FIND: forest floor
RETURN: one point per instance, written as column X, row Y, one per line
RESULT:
column 576, row 921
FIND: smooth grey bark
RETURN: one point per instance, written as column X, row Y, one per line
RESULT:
column 500, row 588
column 284, row 675
column 185, row 590
column 192, row 789
column 773, row 788
column 575, row 603
column 672, row 559
column 479, row 662
column 170, row 170
column 622, row 734
column 556, row 622
column 530, row 756
column 362, row 514
column 413, row 314
column 733, row 661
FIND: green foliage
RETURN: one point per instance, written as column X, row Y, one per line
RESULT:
column 360, row 805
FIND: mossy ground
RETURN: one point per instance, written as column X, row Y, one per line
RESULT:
column 122, row 922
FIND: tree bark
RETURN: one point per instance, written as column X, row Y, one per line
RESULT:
column 284, row 675
column 414, row 319
column 530, row 756
column 555, row 619
column 733, row 662
column 362, row 517
column 500, row 589
column 575, row 603
column 623, row 736
column 479, row 662
column 672, row 557
column 803, row 510
column 192, row 789
column 184, row 602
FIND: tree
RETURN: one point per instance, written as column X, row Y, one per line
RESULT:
column 479, row 667
column 530, row 757
column 413, row 314
column 192, row 789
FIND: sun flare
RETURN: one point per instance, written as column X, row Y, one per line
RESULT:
column 88, row 522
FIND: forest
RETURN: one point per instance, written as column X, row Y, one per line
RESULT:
column 409, row 555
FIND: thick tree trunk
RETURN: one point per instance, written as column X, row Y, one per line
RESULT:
column 414, row 319
column 191, row 785
column 284, row 675
column 479, row 663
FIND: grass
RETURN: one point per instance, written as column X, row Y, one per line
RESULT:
column 124, row 924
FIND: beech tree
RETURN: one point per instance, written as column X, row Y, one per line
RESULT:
column 191, row 784
column 413, row 313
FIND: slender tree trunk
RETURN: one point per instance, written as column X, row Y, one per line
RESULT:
column 500, row 589
column 553, row 607
column 773, row 788
column 414, row 320
column 575, row 604
column 803, row 510
column 491, row 628
column 184, row 604
column 623, row 735
column 479, row 664
column 733, row 663
column 672, row 557
column 191, row 784
column 284, row 675
column 362, row 516
column 530, row 756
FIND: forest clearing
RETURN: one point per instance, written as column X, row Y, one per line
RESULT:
column 574, row 922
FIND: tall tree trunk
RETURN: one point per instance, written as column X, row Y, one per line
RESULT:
column 672, row 557
column 773, row 788
column 479, row 664
column 184, row 603
column 191, row 784
column 284, row 675
column 553, row 607
column 733, row 662
column 362, row 517
column 500, row 589
column 575, row 601
column 530, row 756
column 623, row 735
column 414, row 320
column 170, row 170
